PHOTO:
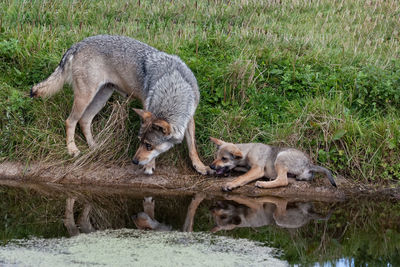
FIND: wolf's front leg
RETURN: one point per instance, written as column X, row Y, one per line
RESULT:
column 150, row 167
column 191, row 142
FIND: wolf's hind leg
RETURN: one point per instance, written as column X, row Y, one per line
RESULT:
column 83, row 96
column 95, row 106
column 194, row 156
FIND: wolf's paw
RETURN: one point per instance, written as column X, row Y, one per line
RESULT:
column 148, row 170
column 202, row 169
column 73, row 151
column 229, row 187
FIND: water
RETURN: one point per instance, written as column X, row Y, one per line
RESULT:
column 70, row 225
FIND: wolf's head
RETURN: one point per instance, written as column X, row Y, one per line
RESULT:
column 154, row 135
column 228, row 156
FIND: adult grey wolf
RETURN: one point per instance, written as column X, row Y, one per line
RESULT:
column 146, row 221
column 240, row 211
column 259, row 160
column 101, row 64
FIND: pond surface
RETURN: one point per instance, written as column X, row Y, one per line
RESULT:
column 70, row 225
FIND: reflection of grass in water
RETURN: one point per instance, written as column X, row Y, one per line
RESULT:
column 26, row 212
column 367, row 230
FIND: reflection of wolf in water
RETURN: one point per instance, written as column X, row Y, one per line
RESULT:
column 83, row 225
column 146, row 221
column 247, row 212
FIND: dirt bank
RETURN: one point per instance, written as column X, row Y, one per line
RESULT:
column 170, row 179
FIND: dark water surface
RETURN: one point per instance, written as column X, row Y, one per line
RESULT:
column 355, row 232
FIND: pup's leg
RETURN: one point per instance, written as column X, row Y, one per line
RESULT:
column 252, row 203
column 241, row 169
column 281, row 179
column 280, row 204
column 191, row 142
column 95, row 106
column 150, row 167
column 254, row 173
column 83, row 96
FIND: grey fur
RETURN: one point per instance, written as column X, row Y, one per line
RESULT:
column 99, row 65
column 260, row 160
column 241, row 211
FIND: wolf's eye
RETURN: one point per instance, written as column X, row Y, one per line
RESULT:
column 224, row 159
column 148, row 146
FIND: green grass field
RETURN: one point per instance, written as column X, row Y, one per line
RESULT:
column 323, row 76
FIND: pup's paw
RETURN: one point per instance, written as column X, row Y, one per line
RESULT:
column 259, row 184
column 229, row 187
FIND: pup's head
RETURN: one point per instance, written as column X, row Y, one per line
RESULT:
column 227, row 215
column 154, row 135
column 228, row 156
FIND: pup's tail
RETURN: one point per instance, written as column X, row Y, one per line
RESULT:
column 328, row 173
column 56, row 80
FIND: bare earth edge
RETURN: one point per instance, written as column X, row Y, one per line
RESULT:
column 170, row 180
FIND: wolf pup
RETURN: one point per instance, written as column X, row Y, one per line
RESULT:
column 239, row 211
column 259, row 160
column 167, row 88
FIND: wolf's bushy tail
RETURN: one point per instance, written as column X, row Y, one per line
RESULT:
column 328, row 173
column 56, row 80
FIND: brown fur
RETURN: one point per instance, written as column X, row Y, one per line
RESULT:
column 239, row 211
column 259, row 160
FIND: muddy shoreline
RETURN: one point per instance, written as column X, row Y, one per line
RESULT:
column 170, row 180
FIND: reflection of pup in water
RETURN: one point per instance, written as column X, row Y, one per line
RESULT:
column 145, row 220
column 83, row 225
column 248, row 212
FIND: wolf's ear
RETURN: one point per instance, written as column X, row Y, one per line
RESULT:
column 145, row 115
column 162, row 126
column 217, row 141
column 237, row 154
column 215, row 229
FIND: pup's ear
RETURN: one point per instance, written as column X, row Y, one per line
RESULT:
column 237, row 154
column 217, row 141
column 162, row 126
column 145, row 115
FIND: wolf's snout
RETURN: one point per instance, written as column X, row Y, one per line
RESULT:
column 212, row 166
column 135, row 161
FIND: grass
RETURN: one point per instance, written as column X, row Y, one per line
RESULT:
column 323, row 76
